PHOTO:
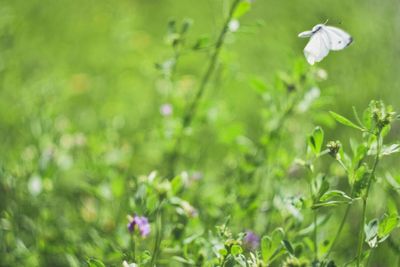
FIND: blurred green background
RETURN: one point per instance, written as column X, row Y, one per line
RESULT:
column 94, row 60
column 83, row 72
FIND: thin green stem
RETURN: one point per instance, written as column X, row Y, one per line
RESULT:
column 315, row 236
column 192, row 109
column 133, row 247
column 315, row 232
column 361, row 232
column 343, row 166
column 364, row 208
column 158, row 236
column 339, row 231
column 346, row 214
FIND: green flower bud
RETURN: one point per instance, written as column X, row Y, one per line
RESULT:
column 334, row 148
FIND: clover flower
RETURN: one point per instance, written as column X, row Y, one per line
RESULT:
column 234, row 25
column 166, row 110
column 141, row 223
column 251, row 240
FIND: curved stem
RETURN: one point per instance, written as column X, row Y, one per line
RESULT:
column 364, row 209
column 192, row 109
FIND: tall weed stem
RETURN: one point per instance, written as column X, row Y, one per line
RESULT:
column 192, row 109
column 365, row 198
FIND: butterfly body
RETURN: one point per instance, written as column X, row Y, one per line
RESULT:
column 324, row 38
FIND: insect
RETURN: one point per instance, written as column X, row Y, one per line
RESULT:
column 324, row 38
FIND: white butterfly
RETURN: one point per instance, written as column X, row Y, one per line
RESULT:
column 323, row 39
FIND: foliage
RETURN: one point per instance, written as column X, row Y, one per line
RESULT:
column 200, row 162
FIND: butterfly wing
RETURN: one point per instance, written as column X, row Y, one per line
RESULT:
column 317, row 48
column 338, row 39
column 305, row 34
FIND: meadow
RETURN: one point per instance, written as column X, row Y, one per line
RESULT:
column 195, row 133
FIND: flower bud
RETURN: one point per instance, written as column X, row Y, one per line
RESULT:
column 334, row 148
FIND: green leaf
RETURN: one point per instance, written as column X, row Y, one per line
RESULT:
column 201, row 43
column 335, row 194
column 241, row 9
column 315, row 140
column 360, row 179
column 236, row 250
column 288, row 246
column 367, row 117
column 176, row 184
column 271, row 246
column 319, row 138
column 95, row 263
column 258, row 85
column 360, row 153
column 356, row 116
column 345, row 121
column 332, row 203
column 322, row 189
column 387, row 225
column 266, row 248
column 223, row 252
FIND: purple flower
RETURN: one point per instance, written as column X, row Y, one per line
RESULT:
column 166, row 110
column 251, row 240
column 142, row 224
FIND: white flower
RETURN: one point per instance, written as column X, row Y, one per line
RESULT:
column 234, row 25
column 126, row 264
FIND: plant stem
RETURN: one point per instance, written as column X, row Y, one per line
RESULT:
column 159, row 234
column 315, row 236
column 133, row 247
column 315, row 240
column 346, row 214
column 364, row 209
column 361, row 232
column 192, row 109
column 339, row 231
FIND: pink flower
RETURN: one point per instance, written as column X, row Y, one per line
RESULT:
column 166, row 110
column 141, row 223
column 251, row 240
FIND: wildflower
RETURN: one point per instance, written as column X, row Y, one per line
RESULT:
column 381, row 114
column 234, row 25
column 334, row 147
column 295, row 262
column 189, row 209
column 126, row 264
column 142, row 224
column 251, row 240
column 166, row 110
